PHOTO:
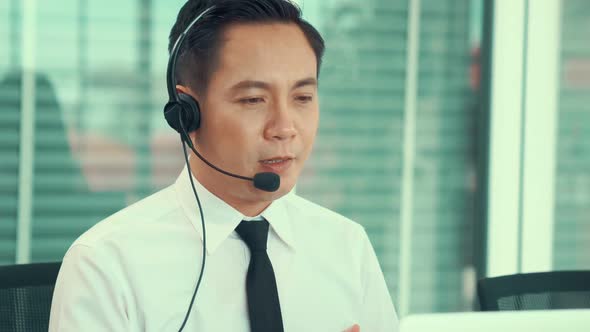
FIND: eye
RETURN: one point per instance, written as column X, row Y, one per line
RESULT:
column 304, row 98
column 251, row 100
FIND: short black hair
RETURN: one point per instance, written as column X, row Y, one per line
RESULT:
column 199, row 55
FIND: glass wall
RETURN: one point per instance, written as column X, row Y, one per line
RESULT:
column 99, row 141
column 358, row 165
column 572, row 187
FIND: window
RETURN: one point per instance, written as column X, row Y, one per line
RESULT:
column 397, row 149
column 359, row 167
column 572, row 185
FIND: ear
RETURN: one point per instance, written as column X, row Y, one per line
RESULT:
column 186, row 90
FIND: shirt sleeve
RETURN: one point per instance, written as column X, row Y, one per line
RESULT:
column 85, row 297
column 378, row 312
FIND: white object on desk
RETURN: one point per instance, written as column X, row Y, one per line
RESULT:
column 575, row 320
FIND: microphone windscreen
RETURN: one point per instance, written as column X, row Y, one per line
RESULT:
column 267, row 181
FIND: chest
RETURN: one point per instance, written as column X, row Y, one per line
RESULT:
column 315, row 293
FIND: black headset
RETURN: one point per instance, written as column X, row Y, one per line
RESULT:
column 183, row 114
column 182, row 109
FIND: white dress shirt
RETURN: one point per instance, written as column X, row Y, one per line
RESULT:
column 137, row 269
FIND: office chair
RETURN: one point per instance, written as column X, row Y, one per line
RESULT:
column 535, row 291
column 25, row 296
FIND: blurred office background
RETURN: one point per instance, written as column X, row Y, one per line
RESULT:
column 457, row 132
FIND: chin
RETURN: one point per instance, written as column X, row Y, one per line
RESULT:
column 285, row 188
column 287, row 184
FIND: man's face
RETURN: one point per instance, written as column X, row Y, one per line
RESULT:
column 260, row 112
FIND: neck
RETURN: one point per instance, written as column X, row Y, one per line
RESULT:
column 239, row 194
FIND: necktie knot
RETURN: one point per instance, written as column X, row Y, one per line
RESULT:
column 254, row 233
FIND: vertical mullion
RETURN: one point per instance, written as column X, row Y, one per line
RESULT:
column 27, row 134
column 505, row 137
column 540, row 135
column 409, row 150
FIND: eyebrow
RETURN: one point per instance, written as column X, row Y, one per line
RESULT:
column 251, row 84
column 304, row 82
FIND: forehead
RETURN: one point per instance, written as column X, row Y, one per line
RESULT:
column 271, row 52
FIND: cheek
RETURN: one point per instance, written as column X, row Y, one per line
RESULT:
column 235, row 136
column 309, row 129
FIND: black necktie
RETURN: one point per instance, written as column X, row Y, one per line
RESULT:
column 264, row 308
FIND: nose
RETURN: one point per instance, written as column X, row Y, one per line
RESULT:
column 281, row 124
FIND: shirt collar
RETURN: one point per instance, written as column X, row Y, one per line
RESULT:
column 221, row 219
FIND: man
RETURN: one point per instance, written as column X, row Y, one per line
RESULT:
column 252, row 66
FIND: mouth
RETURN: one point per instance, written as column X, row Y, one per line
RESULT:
column 277, row 164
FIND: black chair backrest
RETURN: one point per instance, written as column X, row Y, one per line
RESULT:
column 25, row 296
column 532, row 291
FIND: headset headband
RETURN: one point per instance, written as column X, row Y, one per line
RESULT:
column 171, row 71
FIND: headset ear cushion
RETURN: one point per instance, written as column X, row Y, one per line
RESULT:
column 191, row 112
column 171, row 111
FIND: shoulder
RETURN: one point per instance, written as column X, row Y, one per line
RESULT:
column 138, row 216
column 322, row 219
